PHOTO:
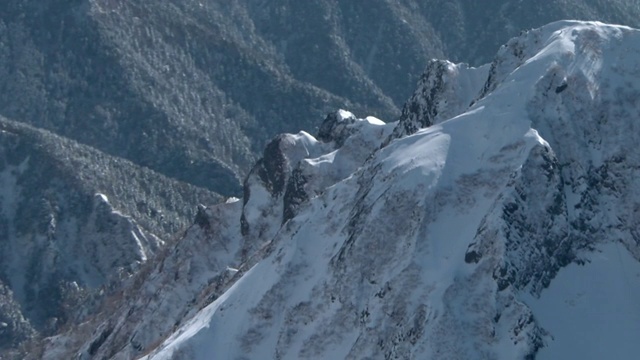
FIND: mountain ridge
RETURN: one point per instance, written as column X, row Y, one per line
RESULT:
column 194, row 90
column 442, row 243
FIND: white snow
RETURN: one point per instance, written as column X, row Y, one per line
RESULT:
column 374, row 121
column 591, row 311
column 101, row 198
column 344, row 114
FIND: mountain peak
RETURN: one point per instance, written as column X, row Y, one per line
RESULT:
column 464, row 236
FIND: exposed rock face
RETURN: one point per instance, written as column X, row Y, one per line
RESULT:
column 444, row 91
column 295, row 168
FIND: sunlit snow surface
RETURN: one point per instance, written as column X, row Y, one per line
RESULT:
column 374, row 266
column 592, row 311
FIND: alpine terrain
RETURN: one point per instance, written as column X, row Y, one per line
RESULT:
column 496, row 219
column 118, row 118
column 195, row 89
column 75, row 223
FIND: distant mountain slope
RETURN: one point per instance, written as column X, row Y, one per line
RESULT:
column 72, row 221
column 195, row 89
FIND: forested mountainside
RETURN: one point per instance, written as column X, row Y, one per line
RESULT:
column 76, row 223
column 195, row 89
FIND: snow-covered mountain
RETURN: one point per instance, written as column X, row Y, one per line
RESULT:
column 497, row 219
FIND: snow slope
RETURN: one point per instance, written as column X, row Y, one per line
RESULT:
column 446, row 243
column 466, row 239
column 591, row 310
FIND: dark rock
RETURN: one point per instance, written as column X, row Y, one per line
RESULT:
column 295, row 195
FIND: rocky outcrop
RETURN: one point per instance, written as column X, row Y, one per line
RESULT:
column 444, row 91
column 295, row 168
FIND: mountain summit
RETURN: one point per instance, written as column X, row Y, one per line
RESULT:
column 497, row 219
